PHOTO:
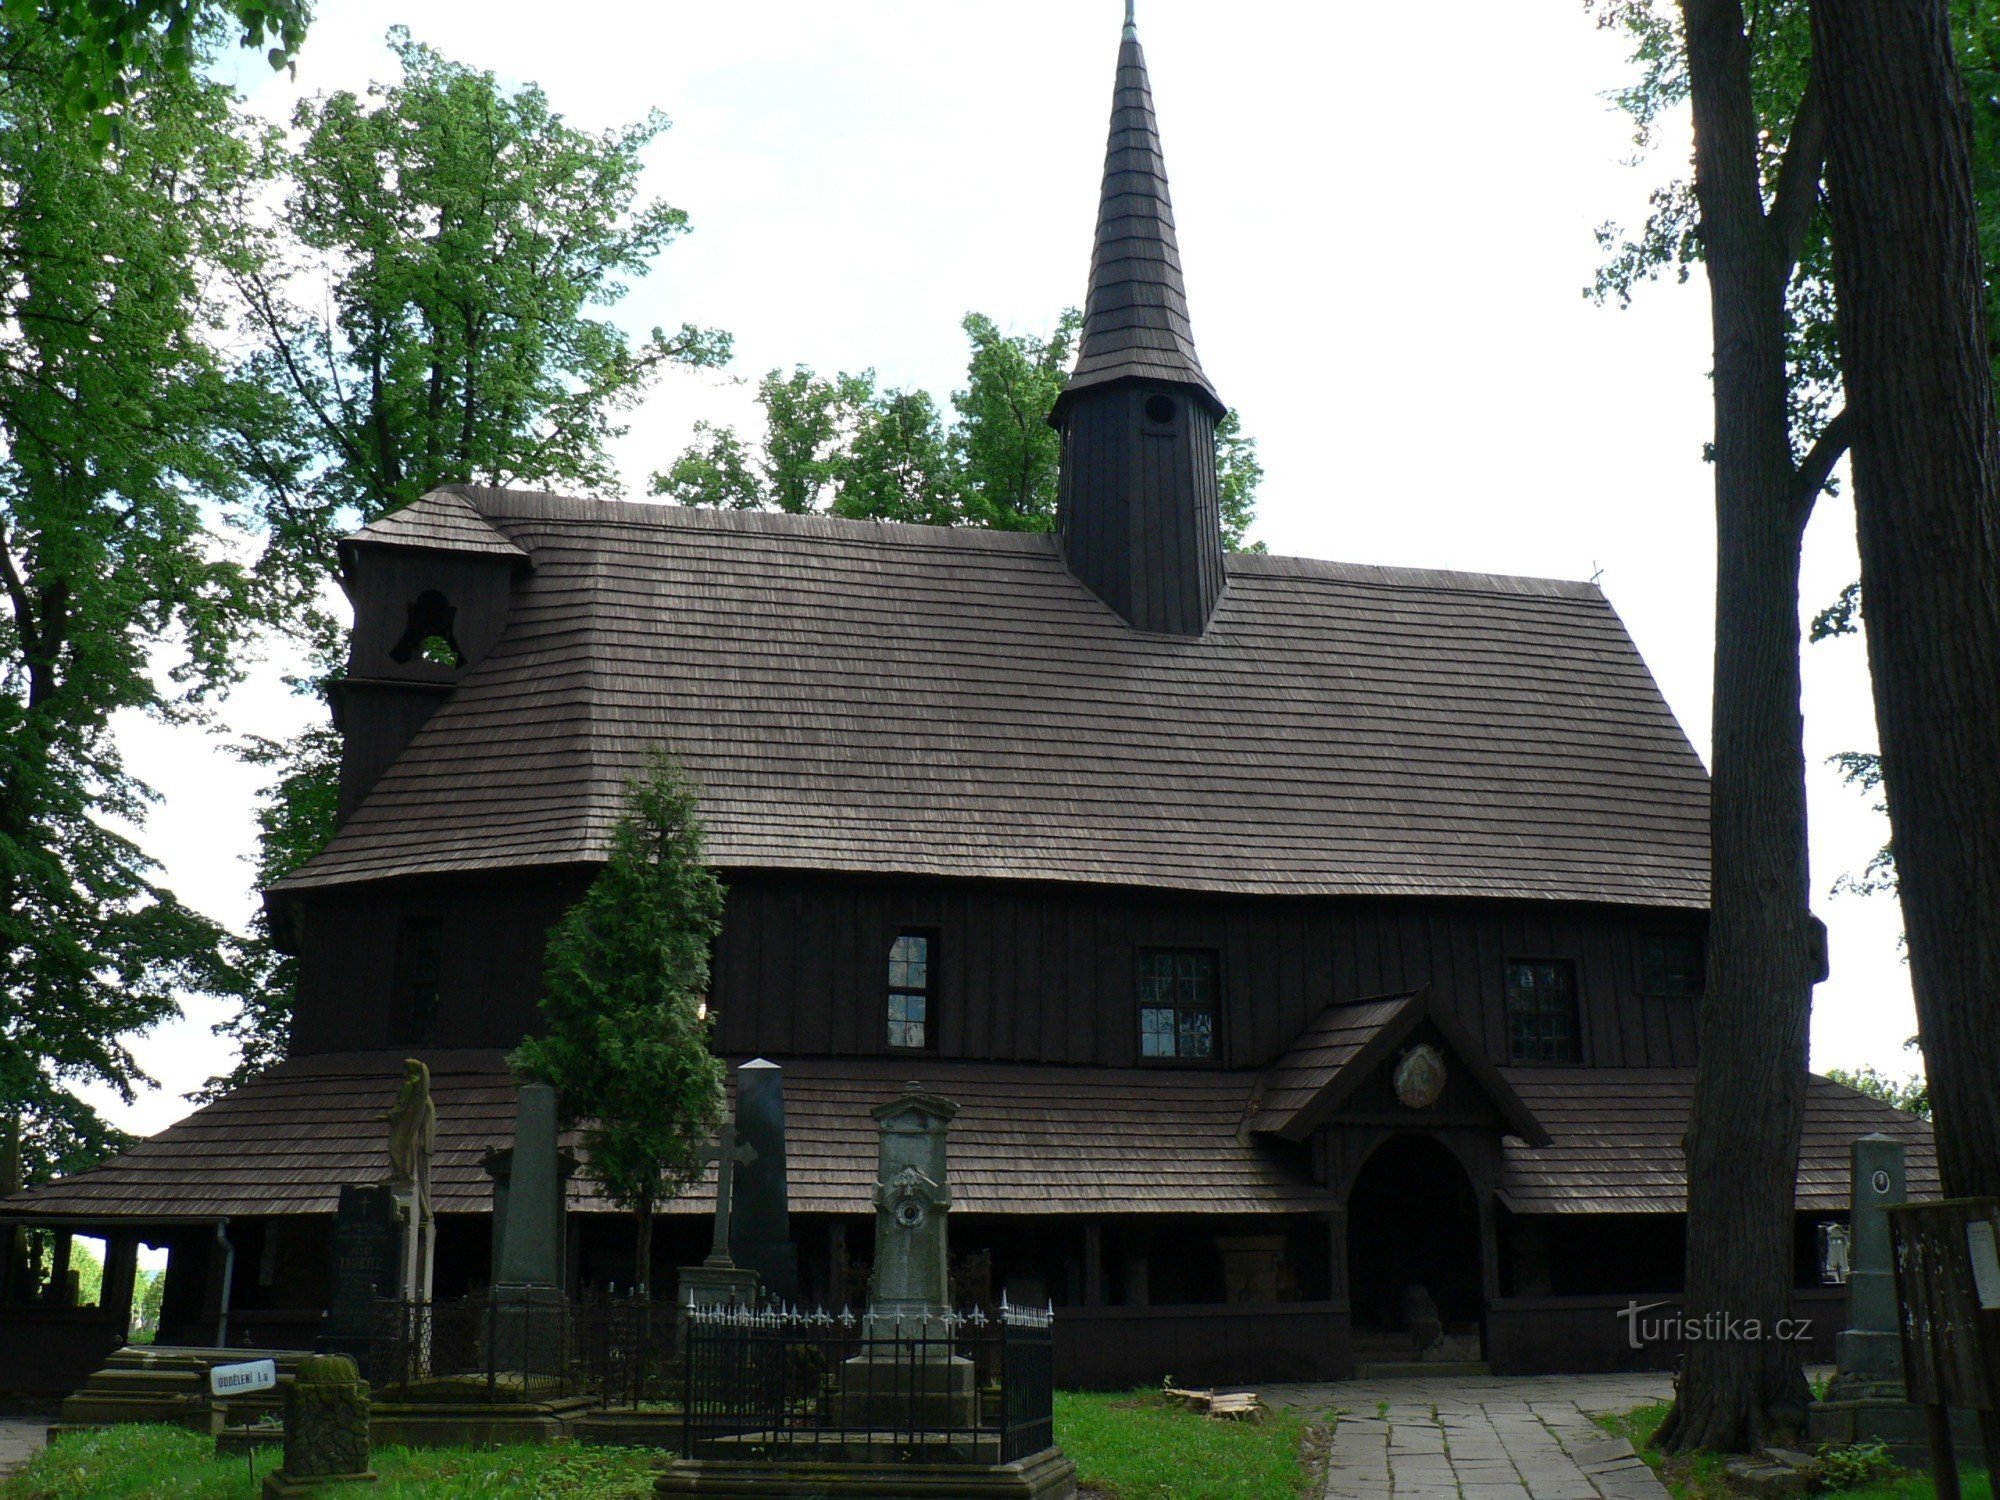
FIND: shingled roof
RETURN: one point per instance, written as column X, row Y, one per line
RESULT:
column 1135, row 319
column 860, row 697
column 1028, row 1139
column 444, row 521
column 1345, row 1043
column 1617, row 1142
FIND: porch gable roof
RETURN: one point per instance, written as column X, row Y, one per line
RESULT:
column 1348, row 1041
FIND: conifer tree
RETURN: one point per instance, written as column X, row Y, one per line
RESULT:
column 625, row 976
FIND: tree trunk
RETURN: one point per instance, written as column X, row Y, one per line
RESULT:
column 1742, row 1146
column 1913, row 343
column 642, row 1251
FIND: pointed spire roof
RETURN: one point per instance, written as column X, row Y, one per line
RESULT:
column 1135, row 322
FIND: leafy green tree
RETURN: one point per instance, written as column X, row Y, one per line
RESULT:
column 847, row 447
column 467, row 231
column 149, row 1296
column 1911, row 1094
column 137, row 556
column 625, row 976
column 106, row 50
column 1012, row 457
column 470, row 237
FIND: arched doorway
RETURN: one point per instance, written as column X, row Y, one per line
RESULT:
column 1412, row 1222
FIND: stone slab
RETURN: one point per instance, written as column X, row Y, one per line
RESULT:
column 1048, row 1475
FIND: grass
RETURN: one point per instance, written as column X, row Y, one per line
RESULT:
column 156, row 1462
column 1700, row 1476
column 1143, row 1446
column 1139, row 1446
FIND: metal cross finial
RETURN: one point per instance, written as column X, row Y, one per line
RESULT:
column 1131, row 18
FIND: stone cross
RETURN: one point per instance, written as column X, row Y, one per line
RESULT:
column 726, row 1159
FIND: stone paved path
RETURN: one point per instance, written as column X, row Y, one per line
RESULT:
column 21, row 1438
column 1482, row 1437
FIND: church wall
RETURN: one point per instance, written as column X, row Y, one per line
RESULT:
column 1048, row 973
column 1024, row 973
column 355, row 961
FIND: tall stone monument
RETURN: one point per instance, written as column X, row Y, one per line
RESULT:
column 760, row 1230
column 907, row 1371
column 527, row 1282
column 1869, row 1351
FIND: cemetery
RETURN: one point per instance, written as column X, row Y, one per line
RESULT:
column 1108, row 1008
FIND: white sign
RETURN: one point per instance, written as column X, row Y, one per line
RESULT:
column 234, row 1380
column 1985, row 1262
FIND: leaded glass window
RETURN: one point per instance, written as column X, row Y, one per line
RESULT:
column 1670, row 963
column 1177, row 1003
column 912, row 972
column 1541, row 1011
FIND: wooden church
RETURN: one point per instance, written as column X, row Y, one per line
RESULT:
column 1314, row 949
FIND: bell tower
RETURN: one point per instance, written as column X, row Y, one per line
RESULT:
column 1138, row 511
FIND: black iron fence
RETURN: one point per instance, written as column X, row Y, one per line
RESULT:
column 958, row 1387
column 509, row 1348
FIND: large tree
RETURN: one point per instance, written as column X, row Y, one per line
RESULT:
column 624, row 985
column 97, row 54
column 431, row 301
column 1916, row 355
column 137, row 558
column 846, row 447
column 1750, row 217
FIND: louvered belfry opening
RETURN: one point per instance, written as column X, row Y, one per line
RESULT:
column 1139, row 515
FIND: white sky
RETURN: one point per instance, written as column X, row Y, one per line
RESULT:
column 1385, row 217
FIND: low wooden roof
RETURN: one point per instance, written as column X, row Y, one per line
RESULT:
column 913, row 700
column 1027, row 1140
column 1347, row 1042
column 1617, row 1142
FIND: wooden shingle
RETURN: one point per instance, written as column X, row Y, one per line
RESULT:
column 888, row 699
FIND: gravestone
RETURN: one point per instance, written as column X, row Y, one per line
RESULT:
column 760, row 1230
column 326, row 1429
column 499, row 1165
column 718, row 1281
column 912, row 1282
column 907, row 1371
column 1869, row 1350
column 367, row 1236
column 527, row 1283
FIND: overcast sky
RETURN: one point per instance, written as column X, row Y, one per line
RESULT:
column 1385, row 215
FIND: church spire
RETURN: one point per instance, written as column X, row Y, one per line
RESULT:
column 1135, row 320
column 1138, row 511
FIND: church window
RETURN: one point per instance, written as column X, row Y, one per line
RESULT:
column 1541, row 1011
column 1160, row 410
column 427, row 633
column 1670, row 963
column 1177, row 1009
column 419, row 964
column 912, row 988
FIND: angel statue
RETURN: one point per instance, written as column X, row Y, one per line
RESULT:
column 412, row 1133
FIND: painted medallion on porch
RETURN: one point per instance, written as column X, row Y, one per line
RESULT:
column 1419, row 1076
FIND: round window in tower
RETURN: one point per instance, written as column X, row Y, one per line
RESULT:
column 1160, row 410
